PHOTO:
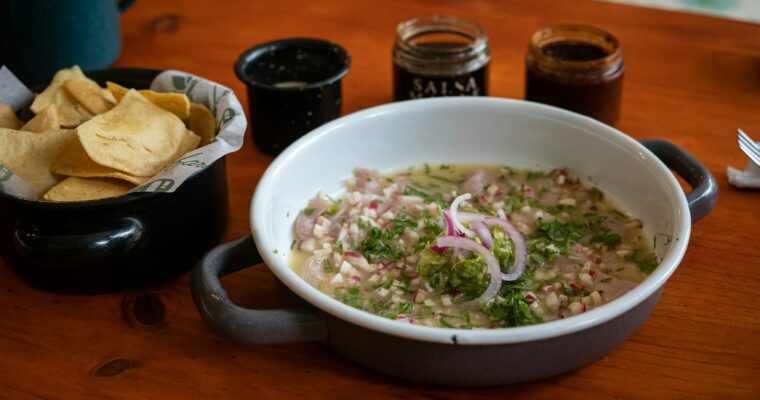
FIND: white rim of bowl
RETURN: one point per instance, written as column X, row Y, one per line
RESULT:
column 545, row 330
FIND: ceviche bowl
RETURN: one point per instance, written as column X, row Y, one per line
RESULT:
column 636, row 175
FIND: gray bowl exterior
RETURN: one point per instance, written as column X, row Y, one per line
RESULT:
column 485, row 365
column 438, row 363
column 453, row 363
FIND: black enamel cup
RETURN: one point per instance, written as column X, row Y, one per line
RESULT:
column 294, row 86
column 116, row 243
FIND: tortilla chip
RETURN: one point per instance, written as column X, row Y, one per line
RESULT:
column 136, row 136
column 82, row 189
column 30, row 155
column 91, row 96
column 8, row 118
column 116, row 90
column 177, row 103
column 70, row 112
column 45, row 121
column 202, row 123
column 76, row 162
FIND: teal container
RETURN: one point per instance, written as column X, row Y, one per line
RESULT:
column 39, row 37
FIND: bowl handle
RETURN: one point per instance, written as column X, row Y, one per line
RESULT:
column 704, row 189
column 240, row 324
column 76, row 251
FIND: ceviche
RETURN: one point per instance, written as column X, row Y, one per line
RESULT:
column 464, row 246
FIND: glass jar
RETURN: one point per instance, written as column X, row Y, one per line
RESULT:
column 440, row 56
column 576, row 67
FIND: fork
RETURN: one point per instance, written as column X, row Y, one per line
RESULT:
column 749, row 147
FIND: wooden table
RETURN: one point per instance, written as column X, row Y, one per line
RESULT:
column 690, row 79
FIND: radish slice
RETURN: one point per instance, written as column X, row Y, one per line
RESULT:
column 521, row 249
column 493, row 266
column 453, row 214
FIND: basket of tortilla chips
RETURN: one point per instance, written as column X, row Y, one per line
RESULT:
column 115, row 178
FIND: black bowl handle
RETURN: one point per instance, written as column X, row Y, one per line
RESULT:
column 78, row 251
column 704, row 189
column 245, row 325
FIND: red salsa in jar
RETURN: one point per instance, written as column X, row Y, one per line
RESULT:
column 578, row 68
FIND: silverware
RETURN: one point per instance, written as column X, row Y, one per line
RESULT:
column 749, row 147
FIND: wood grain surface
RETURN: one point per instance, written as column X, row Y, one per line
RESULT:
column 690, row 79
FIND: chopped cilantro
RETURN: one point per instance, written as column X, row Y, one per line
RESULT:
column 308, row 211
column 567, row 288
column 647, row 262
column 511, row 204
column 404, row 307
column 533, row 175
column 610, row 239
column 560, row 233
column 327, row 266
column 446, row 180
column 510, row 308
column 379, row 244
column 402, row 221
column 446, row 323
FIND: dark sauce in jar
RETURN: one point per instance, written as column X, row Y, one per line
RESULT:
column 574, row 51
column 439, row 56
column 578, row 68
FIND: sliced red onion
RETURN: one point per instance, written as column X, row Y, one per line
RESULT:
column 491, row 262
column 484, row 234
column 521, row 249
column 470, row 217
column 451, row 230
column 454, row 217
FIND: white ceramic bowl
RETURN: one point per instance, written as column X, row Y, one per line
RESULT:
column 458, row 130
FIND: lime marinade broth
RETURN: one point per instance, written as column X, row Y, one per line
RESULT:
column 518, row 248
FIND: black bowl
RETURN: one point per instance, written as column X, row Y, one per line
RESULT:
column 118, row 243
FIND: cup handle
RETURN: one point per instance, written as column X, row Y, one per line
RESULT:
column 300, row 324
column 76, row 251
column 124, row 5
column 704, row 189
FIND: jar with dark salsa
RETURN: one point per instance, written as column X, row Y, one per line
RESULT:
column 440, row 56
column 579, row 68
